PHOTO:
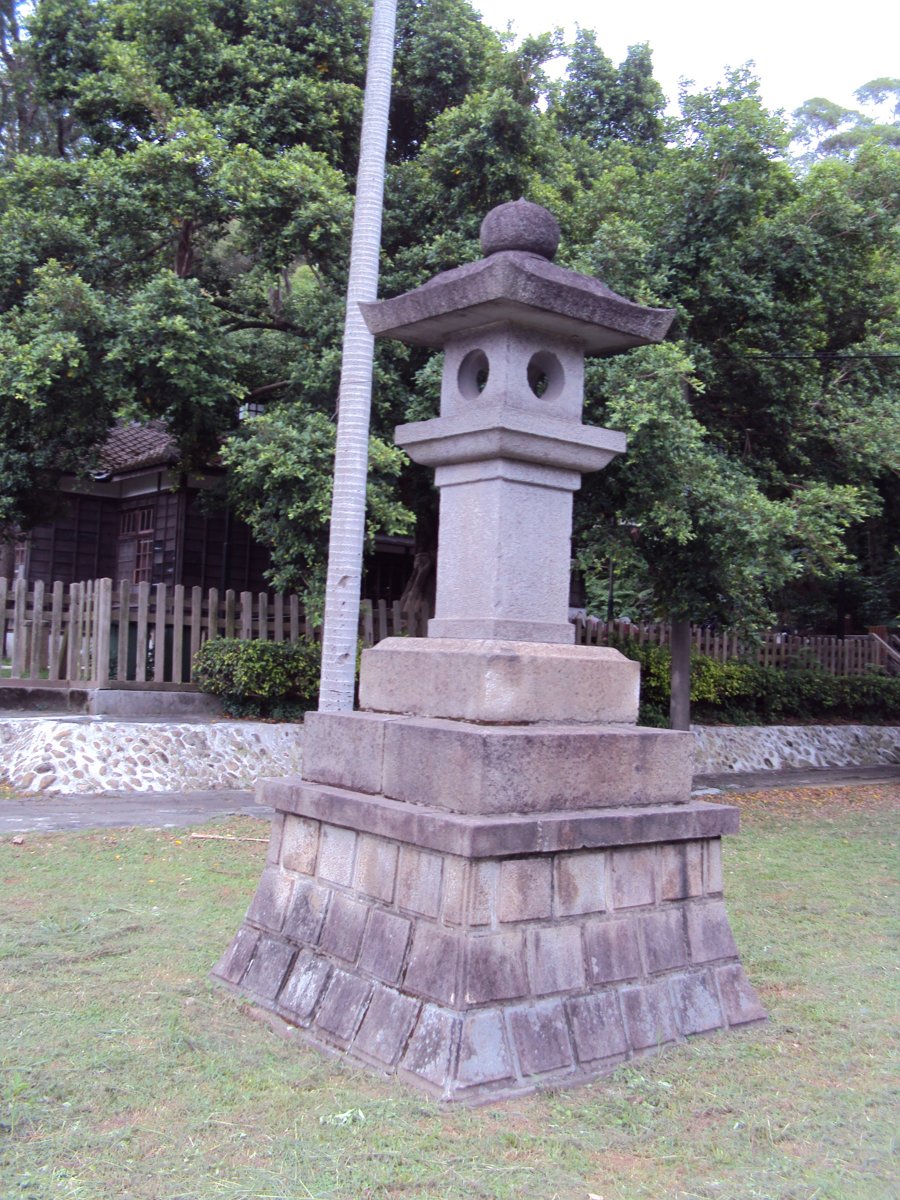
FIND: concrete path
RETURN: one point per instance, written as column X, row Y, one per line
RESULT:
column 174, row 810
column 754, row 781
column 156, row 810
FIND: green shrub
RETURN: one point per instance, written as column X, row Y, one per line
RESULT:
column 746, row 694
column 273, row 679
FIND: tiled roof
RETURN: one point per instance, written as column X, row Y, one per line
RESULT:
column 132, row 445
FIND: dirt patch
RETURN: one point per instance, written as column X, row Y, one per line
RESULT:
column 820, row 802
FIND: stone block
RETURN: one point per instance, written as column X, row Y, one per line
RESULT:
column 739, row 998
column 273, row 894
column 612, row 950
column 664, row 942
column 680, row 870
column 633, row 877
column 484, row 1056
column 303, row 922
column 649, row 1021
column 236, row 959
column 303, row 989
column 714, row 884
column 268, row 967
column 273, row 854
column 483, row 836
column 337, row 850
column 494, row 580
column 433, row 967
column 525, row 889
column 485, row 878
column 386, row 1026
column 299, row 844
column 580, row 884
column 431, row 1047
column 495, row 968
column 344, row 925
column 384, row 945
column 696, row 1003
column 555, row 959
column 344, row 750
column 501, row 682
column 709, row 934
column 419, row 881
column 456, row 879
column 540, row 1036
column 343, row 1006
column 376, row 867
column 487, row 769
column 597, row 1029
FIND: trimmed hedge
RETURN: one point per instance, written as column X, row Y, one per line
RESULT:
column 260, row 679
column 736, row 693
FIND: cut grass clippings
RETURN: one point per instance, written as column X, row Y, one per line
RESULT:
column 125, row 1073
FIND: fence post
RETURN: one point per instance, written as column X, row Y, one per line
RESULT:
column 54, row 640
column 143, row 631
column 246, row 615
column 294, row 607
column 177, row 631
column 680, row 704
column 37, row 628
column 4, row 592
column 212, row 614
column 20, row 639
column 103, row 627
column 368, row 625
column 70, row 634
column 196, row 626
column 159, row 634
column 229, row 613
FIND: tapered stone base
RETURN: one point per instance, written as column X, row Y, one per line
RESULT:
column 478, row 956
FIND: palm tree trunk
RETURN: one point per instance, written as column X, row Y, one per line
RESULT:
column 348, row 507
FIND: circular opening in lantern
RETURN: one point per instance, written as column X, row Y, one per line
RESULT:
column 473, row 374
column 545, row 375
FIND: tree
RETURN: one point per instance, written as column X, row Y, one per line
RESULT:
column 603, row 104
column 827, row 128
column 191, row 170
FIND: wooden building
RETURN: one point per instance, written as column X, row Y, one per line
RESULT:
column 137, row 519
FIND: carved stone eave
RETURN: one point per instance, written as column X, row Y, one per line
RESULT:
column 514, row 285
column 498, row 432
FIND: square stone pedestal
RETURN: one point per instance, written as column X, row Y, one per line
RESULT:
column 482, row 910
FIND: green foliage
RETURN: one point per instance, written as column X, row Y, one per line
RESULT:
column 602, row 104
column 280, row 466
column 747, row 694
column 190, row 169
column 830, row 129
column 254, row 678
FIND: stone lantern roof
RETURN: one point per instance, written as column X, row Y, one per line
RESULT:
column 517, row 281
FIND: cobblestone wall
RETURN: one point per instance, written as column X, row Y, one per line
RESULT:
column 89, row 755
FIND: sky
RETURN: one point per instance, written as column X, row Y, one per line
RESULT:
column 800, row 49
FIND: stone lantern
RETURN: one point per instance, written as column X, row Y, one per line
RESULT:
column 489, row 879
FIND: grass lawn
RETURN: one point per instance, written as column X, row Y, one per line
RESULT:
column 125, row 1073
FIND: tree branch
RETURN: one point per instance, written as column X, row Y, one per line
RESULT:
column 268, row 387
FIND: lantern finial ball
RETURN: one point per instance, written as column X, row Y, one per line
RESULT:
column 520, row 225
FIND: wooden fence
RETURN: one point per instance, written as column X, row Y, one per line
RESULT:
column 99, row 631
column 854, row 654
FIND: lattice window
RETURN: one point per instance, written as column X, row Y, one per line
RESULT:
column 143, row 563
column 136, row 520
column 135, row 560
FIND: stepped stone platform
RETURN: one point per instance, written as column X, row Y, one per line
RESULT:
column 483, row 909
